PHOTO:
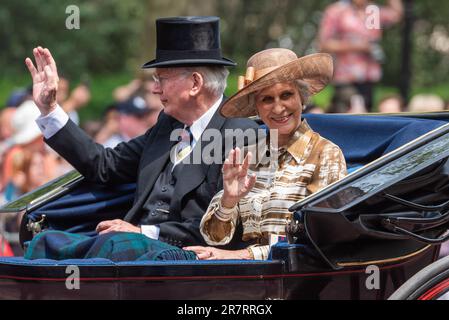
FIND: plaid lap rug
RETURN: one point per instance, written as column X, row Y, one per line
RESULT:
column 116, row 246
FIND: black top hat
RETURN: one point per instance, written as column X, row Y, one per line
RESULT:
column 188, row 41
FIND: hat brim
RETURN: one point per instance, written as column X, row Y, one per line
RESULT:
column 316, row 70
column 26, row 136
column 189, row 62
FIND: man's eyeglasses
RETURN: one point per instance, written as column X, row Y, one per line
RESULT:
column 159, row 80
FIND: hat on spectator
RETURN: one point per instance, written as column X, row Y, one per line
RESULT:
column 18, row 97
column 188, row 41
column 426, row 103
column 24, row 126
column 135, row 106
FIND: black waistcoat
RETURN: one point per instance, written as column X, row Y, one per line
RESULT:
column 157, row 206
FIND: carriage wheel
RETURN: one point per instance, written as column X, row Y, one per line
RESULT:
column 431, row 283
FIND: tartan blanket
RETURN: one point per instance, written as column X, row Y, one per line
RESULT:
column 115, row 246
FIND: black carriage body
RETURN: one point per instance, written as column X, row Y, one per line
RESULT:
column 270, row 280
column 332, row 255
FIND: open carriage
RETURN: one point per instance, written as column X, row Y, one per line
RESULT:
column 360, row 238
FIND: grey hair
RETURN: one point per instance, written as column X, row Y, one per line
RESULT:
column 303, row 89
column 215, row 78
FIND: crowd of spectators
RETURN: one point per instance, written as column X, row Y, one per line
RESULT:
column 348, row 100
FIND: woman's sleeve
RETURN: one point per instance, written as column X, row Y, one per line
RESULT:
column 260, row 252
column 218, row 224
column 331, row 167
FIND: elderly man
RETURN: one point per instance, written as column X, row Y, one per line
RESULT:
column 171, row 196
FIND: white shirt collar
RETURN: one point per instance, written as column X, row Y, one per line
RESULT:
column 198, row 127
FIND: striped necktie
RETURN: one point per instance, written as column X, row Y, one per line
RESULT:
column 184, row 146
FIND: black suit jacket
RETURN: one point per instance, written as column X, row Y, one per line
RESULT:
column 141, row 160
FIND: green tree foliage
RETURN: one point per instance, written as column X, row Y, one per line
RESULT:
column 430, row 52
column 253, row 25
column 108, row 33
column 118, row 36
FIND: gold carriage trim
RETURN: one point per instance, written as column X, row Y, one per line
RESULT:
column 386, row 261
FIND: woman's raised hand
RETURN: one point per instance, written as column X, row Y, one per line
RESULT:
column 236, row 182
column 45, row 79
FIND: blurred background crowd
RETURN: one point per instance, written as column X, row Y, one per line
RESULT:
column 26, row 162
column 401, row 66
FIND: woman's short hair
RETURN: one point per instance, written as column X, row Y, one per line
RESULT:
column 303, row 89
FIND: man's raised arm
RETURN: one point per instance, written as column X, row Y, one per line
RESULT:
column 45, row 80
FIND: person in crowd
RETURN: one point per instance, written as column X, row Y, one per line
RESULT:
column 54, row 165
column 26, row 142
column 171, row 194
column 136, row 112
column 92, row 127
column 28, row 173
column 6, row 132
column 19, row 96
column 127, row 120
column 25, row 135
column 142, row 86
column 351, row 30
column 258, row 196
column 5, row 248
column 72, row 101
column 391, row 104
column 426, row 103
column 347, row 100
column 312, row 108
column 5, row 123
column 28, row 138
column 108, row 134
column 135, row 117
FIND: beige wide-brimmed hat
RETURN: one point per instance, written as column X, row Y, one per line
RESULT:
column 273, row 66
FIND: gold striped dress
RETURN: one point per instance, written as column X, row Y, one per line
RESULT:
column 307, row 164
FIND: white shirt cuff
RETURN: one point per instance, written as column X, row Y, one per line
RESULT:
column 151, row 232
column 53, row 122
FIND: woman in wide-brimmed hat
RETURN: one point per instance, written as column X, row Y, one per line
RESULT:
column 276, row 87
